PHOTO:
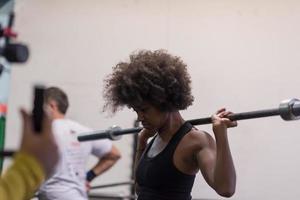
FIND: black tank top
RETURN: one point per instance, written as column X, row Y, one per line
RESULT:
column 158, row 178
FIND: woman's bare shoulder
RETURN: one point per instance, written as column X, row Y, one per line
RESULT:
column 199, row 138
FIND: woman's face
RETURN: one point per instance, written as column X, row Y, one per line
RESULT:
column 150, row 117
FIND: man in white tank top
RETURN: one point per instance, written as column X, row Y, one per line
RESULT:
column 71, row 179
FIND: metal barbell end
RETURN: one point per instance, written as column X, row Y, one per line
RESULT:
column 290, row 109
column 112, row 132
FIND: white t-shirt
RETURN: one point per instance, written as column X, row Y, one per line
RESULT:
column 68, row 180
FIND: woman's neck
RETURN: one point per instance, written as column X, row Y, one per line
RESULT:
column 171, row 125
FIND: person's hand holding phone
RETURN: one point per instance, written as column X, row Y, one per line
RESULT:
column 38, row 139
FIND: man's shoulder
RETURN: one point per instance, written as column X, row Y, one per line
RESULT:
column 70, row 124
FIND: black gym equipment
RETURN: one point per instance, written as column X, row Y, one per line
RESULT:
column 15, row 53
column 11, row 51
column 288, row 110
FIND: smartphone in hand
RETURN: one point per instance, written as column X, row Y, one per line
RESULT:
column 38, row 108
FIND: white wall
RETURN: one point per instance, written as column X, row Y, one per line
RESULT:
column 241, row 54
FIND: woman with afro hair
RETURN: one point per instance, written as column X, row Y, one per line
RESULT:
column 156, row 85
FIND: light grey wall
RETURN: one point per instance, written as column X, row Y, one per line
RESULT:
column 243, row 55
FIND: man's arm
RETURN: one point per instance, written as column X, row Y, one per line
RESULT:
column 104, row 163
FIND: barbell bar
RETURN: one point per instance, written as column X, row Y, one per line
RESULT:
column 288, row 110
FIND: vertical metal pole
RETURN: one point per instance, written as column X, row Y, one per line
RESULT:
column 2, row 131
column 134, row 146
